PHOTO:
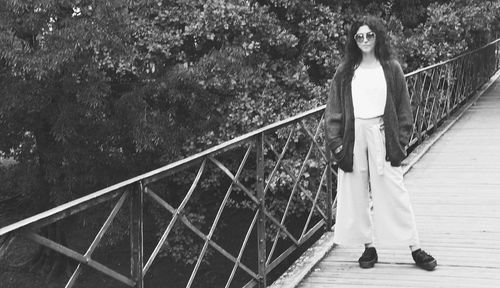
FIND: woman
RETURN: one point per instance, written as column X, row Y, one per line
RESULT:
column 368, row 124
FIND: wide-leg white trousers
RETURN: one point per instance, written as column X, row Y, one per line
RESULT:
column 373, row 205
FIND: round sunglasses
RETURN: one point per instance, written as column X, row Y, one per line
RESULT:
column 360, row 37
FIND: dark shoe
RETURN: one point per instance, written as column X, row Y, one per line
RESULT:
column 424, row 260
column 369, row 258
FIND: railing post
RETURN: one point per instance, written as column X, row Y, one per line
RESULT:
column 497, row 54
column 136, row 235
column 449, row 90
column 329, row 189
column 261, row 221
column 420, row 115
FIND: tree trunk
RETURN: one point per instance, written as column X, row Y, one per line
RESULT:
column 47, row 261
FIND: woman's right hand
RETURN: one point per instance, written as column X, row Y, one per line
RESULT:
column 338, row 149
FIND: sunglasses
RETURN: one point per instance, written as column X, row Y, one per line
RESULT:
column 360, row 37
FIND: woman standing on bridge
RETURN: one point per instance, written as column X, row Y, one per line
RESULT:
column 368, row 124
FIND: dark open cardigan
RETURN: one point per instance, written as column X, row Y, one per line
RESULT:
column 339, row 116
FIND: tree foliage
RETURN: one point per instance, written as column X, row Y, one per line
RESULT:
column 450, row 29
column 94, row 92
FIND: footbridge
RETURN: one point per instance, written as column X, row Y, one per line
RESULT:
column 271, row 203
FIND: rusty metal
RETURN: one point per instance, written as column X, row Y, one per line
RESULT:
column 188, row 224
column 217, row 217
column 242, row 249
column 450, row 84
column 261, row 216
column 296, row 184
column 137, row 235
column 176, row 213
column 315, row 201
column 78, row 257
column 295, row 178
column 97, row 239
column 329, row 191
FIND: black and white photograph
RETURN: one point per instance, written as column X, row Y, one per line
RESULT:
column 249, row 143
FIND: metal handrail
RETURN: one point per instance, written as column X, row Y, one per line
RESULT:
column 439, row 90
column 451, row 59
column 157, row 174
column 436, row 92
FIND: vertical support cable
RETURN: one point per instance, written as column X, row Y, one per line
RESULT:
column 329, row 189
column 136, row 235
column 261, row 224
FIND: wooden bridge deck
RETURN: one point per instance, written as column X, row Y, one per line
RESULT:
column 455, row 190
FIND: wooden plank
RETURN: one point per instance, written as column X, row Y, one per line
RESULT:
column 400, row 277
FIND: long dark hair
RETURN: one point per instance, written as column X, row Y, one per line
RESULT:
column 353, row 55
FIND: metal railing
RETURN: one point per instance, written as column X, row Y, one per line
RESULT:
column 438, row 90
column 280, row 176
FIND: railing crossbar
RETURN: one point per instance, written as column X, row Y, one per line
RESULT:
column 175, row 213
column 288, row 170
column 296, row 183
column 255, row 200
column 313, row 137
column 242, row 249
column 453, row 59
column 78, row 257
column 435, row 87
column 167, row 231
column 98, row 238
column 198, row 232
column 436, row 91
column 62, row 211
column 217, row 216
column 278, row 260
column 318, row 192
column 280, row 159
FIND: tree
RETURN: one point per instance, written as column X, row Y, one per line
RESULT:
column 451, row 27
column 63, row 65
column 94, row 92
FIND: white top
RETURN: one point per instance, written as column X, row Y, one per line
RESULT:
column 369, row 92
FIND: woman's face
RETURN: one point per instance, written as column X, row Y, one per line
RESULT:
column 365, row 39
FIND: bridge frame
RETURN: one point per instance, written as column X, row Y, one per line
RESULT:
column 436, row 92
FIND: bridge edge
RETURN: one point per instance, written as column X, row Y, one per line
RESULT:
column 312, row 256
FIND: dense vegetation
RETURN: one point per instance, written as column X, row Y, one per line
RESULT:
column 94, row 92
